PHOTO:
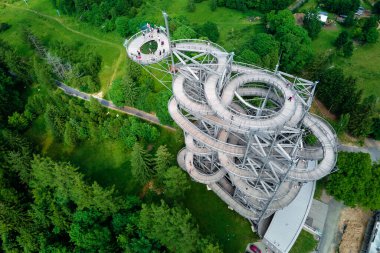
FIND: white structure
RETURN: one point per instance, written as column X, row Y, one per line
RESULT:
column 244, row 126
column 287, row 223
column 323, row 16
column 374, row 243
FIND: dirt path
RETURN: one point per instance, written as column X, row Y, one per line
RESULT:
column 59, row 21
column 319, row 108
column 118, row 62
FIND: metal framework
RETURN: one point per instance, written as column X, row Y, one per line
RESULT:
column 62, row 70
column 244, row 125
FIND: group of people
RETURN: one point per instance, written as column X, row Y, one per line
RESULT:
column 149, row 33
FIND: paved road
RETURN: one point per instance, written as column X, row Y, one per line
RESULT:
column 329, row 240
column 126, row 109
column 371, row 147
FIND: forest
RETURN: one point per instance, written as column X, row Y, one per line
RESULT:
column 55, row 204
column 48, row 206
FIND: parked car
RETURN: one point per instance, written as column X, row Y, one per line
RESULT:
column 254, row 249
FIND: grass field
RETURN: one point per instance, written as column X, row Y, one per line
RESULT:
column 230, row 229
column 43, row 21
column 365, row 66
column 305, row 243
column 233, row 25
column 362, row 65
column 309, row 5
column 326, row 39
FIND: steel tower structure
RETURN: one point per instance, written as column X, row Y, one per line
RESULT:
column 244, row 126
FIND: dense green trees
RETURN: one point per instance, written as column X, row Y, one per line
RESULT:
column 350, row 20
column 162, row 160
column 376, row 8
column 371, row 35
column 190, row 5
column 344, row 43
column 312, row 24
column 264, row 6
column 170, row 179
column 175, row 182
column 347, row 101
column 10, row 98
column 348, row 48
column 179, row 235
column 357, row 181
column 295, row 44
column 123, row 92
column 161, row 107
column 103, row 14
column 184, row 32
column 121, row 25
column 47, row 206
column 342, row 39
column 361, row 117
column 209, row 30
column 18, row 65
column 213, row 5
column 340, row 6
column 341, row 102
column 369, row 30
column 4, row 27
column 376, row 128
column 266, row 47
column 365, row 30
column 85, row 65
column 141, row 163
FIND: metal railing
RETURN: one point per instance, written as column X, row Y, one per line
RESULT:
column 203, row 42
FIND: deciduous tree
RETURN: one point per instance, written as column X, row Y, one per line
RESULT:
column 357, row 181
column 312, row 24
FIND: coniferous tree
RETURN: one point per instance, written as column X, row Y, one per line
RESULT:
column 175, row 183
column 141, row 164
column 361, row 117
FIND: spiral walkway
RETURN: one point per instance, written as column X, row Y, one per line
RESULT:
column 245, row 126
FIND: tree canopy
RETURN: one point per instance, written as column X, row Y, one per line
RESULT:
column 266, row 47
column 295, row 44
column 123, row 92
column 344, row 101
column 141, row 164
column 179, row 235
column 48, row 206
column 209, row 30
column 340, row 6
column 312, row 24
column 357, row 181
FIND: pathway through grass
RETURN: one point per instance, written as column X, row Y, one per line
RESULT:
column 60, row 29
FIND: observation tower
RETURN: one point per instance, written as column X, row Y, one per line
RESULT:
column 244, row 126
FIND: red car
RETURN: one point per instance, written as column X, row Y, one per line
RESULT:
column 254, row 249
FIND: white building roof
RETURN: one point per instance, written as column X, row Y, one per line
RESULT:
column 288, row 222
column 374, row 246
column 322, row 17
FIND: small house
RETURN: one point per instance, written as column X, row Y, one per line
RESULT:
column 323, row 16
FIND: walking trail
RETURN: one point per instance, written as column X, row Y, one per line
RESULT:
column 125, row 109
column 61, row 22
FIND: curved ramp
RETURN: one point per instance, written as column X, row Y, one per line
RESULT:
column 245, row 123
